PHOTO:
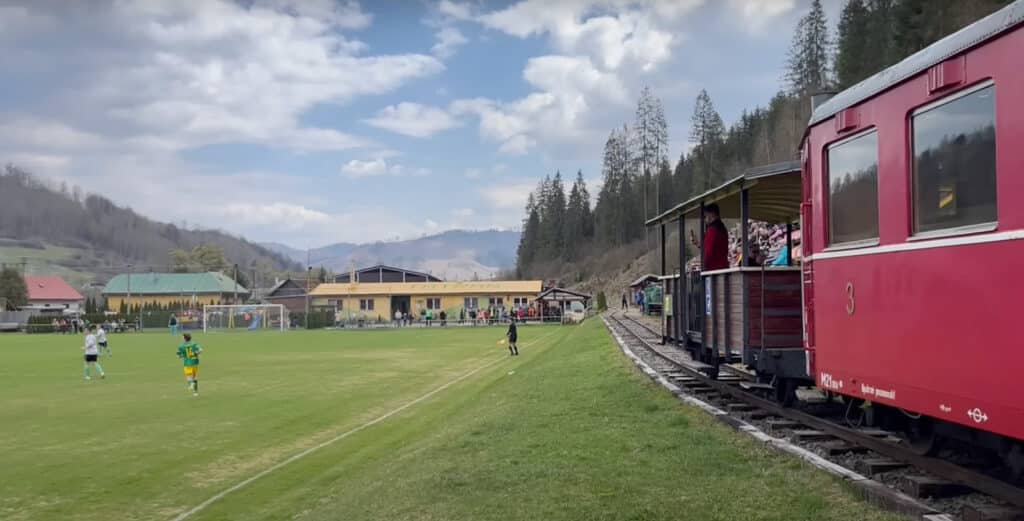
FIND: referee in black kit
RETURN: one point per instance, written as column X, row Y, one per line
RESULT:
column 513, row 350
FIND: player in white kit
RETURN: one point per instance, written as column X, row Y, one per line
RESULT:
column 101, row 339
column 92, row 353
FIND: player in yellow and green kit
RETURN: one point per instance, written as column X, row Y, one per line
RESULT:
column 189, row 351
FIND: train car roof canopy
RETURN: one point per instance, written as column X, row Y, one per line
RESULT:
column 938, row 52
column 774, row 196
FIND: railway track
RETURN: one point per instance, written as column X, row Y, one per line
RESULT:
column 939, row 484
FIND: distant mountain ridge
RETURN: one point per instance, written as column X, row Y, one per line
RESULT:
column 451, row 255
column 87, row 238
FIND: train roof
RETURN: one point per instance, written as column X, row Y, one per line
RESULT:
column 774, row 189
column 956, row 43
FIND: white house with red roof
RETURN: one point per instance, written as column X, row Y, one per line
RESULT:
column 49, row 293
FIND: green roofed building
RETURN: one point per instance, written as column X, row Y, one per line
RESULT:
column 173, row 289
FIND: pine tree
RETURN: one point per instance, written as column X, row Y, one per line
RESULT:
column 553, row 219
column 706, row 132
column 651, row 137
column 664, row 182
column 528, row 240
column 807, row 64
column 854, row 26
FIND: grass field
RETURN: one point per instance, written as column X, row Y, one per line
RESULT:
column 568, row 430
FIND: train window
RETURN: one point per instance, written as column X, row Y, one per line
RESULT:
column 955, row 162
column 853, row 190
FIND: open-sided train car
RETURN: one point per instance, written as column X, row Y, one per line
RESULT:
column 913, row 220
column 912, row 228
column 744, row 314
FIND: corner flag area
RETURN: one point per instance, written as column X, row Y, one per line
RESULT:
column 408, row 424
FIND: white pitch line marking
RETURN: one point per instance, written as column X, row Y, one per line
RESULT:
column 242, row 484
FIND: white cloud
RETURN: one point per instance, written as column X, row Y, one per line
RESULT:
column 455, row 10
column 756, row 14
column 472, row 173
column 463, row 212
column 413, row 119
column 18, row 21
column 356, row 169
column 346, row 15
column 37, row 133
column 375, row 167
column 448, row 40
column 508, row 196
column 569, row 88
column 186, row 75
column 44, row 164
column 609, row 31
column 283, row 215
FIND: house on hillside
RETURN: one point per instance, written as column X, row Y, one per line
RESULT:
column 51, row 294
column 381, row 274
column 291, row 293
column 176, row 290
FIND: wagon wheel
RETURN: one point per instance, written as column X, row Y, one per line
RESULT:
column 920, row 437
column 785, row 391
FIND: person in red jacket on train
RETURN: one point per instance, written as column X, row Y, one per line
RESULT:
column 716, row 240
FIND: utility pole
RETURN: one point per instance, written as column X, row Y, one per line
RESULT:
column 309, row 272
column 252, row 283
column 24, row 262
column 236, row 284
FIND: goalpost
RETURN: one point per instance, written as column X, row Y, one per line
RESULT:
column 242, row 317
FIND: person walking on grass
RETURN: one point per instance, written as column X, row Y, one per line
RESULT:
column 101, row 339
column 189, row 352
column 92, row 354
column 172, row 324
column 513, row 336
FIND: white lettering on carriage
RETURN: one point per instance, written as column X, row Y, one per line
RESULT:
column 868, row 390
column 830, row 382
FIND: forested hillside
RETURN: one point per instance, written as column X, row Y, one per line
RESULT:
column 640, row 181
column 103, row 238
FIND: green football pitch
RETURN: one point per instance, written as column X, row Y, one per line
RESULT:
column 408, row 424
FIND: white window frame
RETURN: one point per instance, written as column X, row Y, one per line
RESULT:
column 830, row 246
column 953, row 230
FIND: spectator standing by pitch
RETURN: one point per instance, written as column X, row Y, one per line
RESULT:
column 172, row 324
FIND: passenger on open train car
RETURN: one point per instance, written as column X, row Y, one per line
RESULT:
column 716, row 240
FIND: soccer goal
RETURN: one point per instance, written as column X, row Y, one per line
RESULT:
column 245, row 317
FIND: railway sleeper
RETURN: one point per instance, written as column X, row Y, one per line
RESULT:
column 929, row 487
column 757, row 414
column 873, row 467
column 838, row 448
column 739, row 407
column 991, row 513
column 783, row 424
column 812, row 435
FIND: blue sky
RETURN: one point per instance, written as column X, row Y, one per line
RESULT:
column 309, row 122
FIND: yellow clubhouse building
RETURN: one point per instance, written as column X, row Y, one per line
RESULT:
column 376, row 300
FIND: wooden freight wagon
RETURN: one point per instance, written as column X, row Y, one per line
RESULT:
column 753, row 316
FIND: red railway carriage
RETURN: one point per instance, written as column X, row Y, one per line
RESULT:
column 913, row 182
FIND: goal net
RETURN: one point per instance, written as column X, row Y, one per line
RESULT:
column 242, row 317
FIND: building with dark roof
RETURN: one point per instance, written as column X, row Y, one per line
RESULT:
column 383, row 274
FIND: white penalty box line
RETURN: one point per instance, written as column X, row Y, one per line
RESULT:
column 242, row 484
